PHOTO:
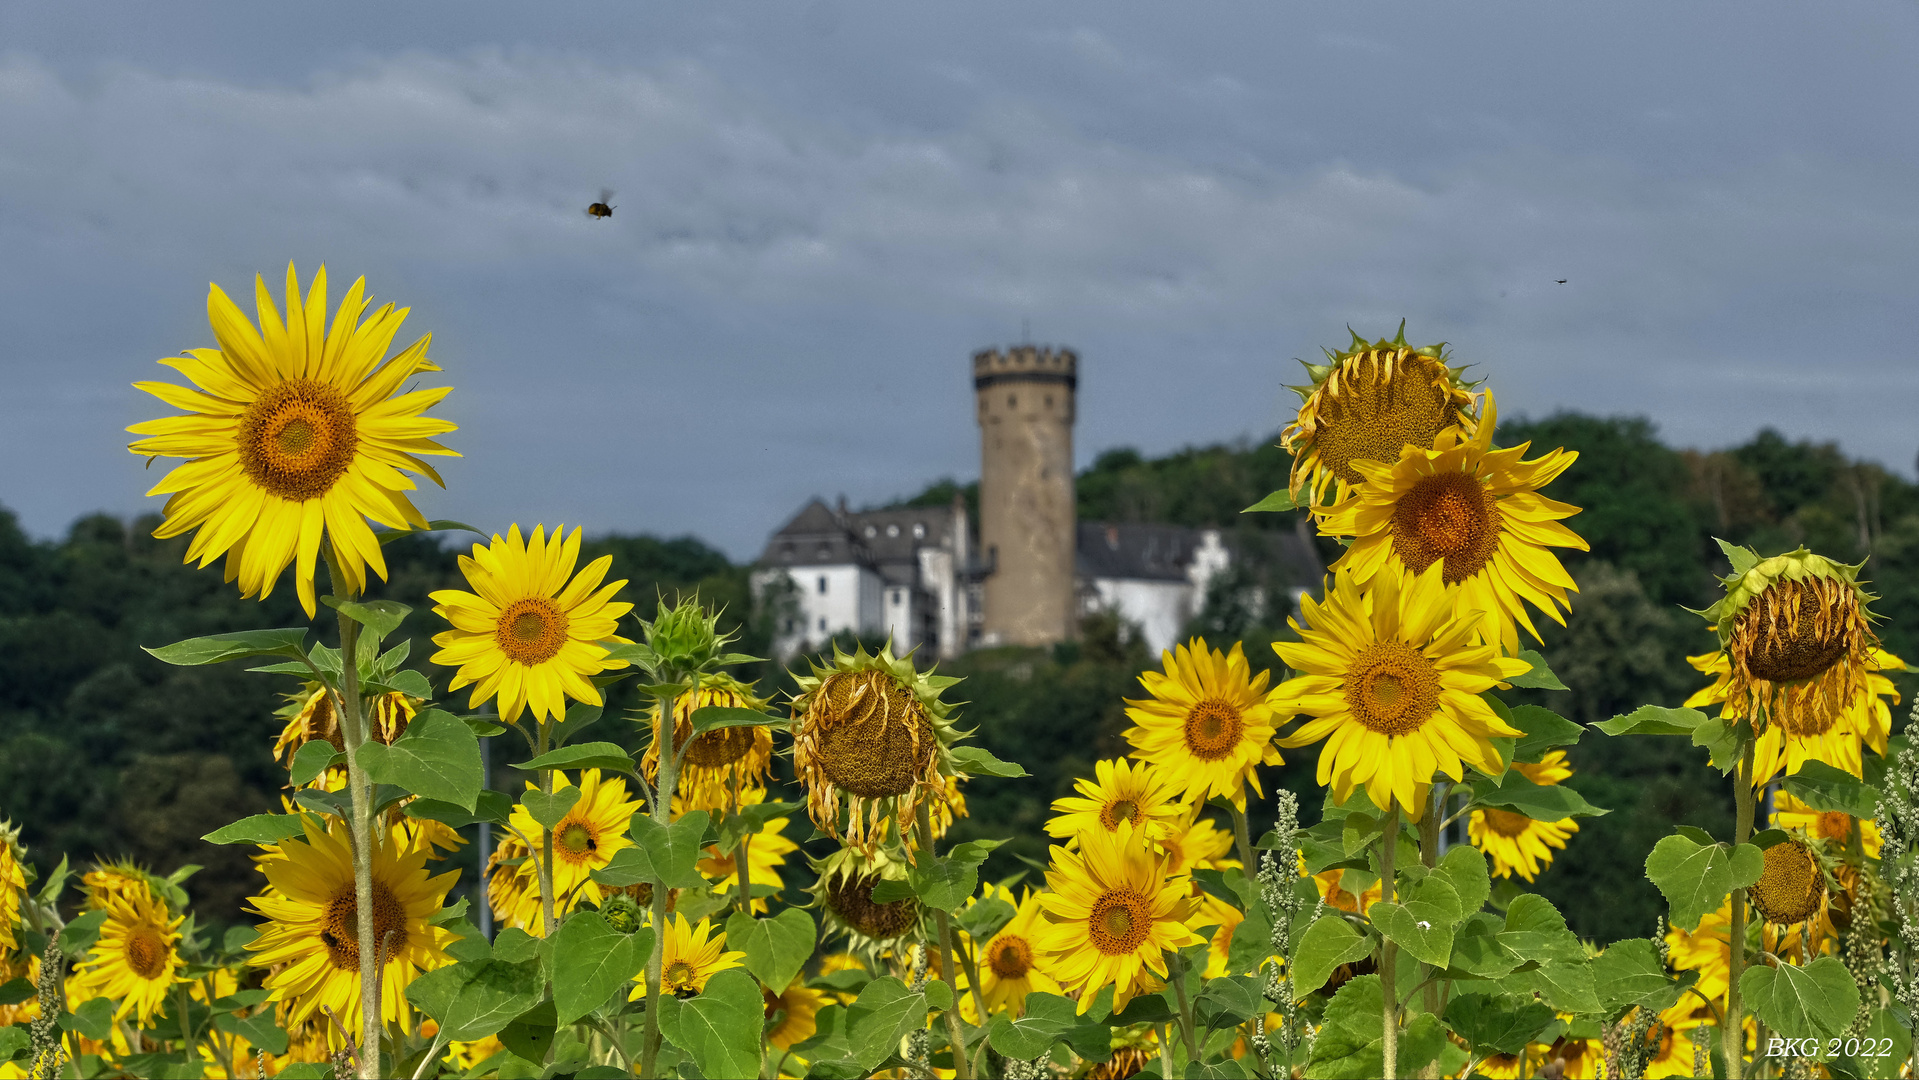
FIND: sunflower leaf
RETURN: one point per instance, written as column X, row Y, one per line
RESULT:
column 662, row 853
column 1478, row 952
column 1820, row 997
column 491, row 806
column 1653, row 720
column 720, row 1027
column 1720, row 740
column 1423, row 928
column 1544, row 730
column 382, row 617
column 776, row 949
column 436, row 757
column 586, row 755
column 1277, row 501
column 473, row 999
column 1540, row 677
column 258, row 829
column 215, row 648
column 1630, row 973
column 944, row 883
column 1828, row 789
column 1349, row 1040
column 1541, row 802
column 749, row 820
column 1695, row 877
column 1741, row 558
column 549, row 809
column 1329, row 942
column 712, row 717
column 591, row 961
column 79, row 935
column 1048, row 1018
column 1464, row 868
column 259, row 1029
column 885, row 1012
column 408, row 682
column 311, row 760
column 979, row 761
column 1496, row 1022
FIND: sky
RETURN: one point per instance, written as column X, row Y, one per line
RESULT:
column 823, row 209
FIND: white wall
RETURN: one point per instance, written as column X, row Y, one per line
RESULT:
column 1160, row 608
column 850, row 600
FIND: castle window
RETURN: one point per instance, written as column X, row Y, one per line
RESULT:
column 892, row 530
column 871, row 532
column 919, row 530
column 822, row 624
column 1049, row 401
column 899, row 596
column 789, row 626
column 1012, row 401
column 822, row 584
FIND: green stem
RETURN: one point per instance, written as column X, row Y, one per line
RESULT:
column 1429, row 858
column 546, row 838
column 746, row 878
column 1165, row 1050
column 186, row 1031
column 1736, row 933
column 360, row 828
column 1388, row 953
column 1185, row 1007
column 662, row 813
column 955, row 1031
column 1242, row 836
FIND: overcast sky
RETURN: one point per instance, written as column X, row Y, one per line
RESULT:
column 825, row 208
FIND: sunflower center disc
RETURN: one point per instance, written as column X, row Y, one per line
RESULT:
column 874, row 739
column 1119, row 810
column 1790, row 888
column 852, row 900
column 297, row 439
column 1834, row 825
column 718, row 749
column 1382, row 405
column 1012, row 958
column 1506, row 823
column 1392, row 688
column 1449, row 516
column 146, row 953
column 576, row 839
column 1119, row 922
column 1799, row 629
column 531, row 631
column 1213, row 728
column 340, row 927
column 679, row 975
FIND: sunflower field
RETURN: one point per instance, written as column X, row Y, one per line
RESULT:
column 641, row 921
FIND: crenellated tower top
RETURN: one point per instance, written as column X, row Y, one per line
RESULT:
column 1025, row 363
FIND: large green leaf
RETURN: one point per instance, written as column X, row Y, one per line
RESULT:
column 258, row 829
column 491, row 806
column 1721, row 739
column 1540, row 677
column 1537, row 931
column 777, row 948
column 1825, row 788
column 311, row 760
column 875, row 1024
column 1329, row 942
column 1499, row 1023
column 1544, row 730
column 1349, row 1045
column 591, row 961
column 382, row 617
column 258, row 1029
column 979, row 761
column 1696, row 878
column 1420, row 929
column 663, row 853
column 214, row 648
column 586, row 755
column 1541, row 802
column 1629, row 973
column 1048, row 1018
column 720, row 1026
column 1653, row 720
column 711, row 717
column 1478, row 951
column 1278, row 501
column 550, row 808
column 944, row 883
column 1464, row 868
column 437, row 757
column 474, row 999
column 1820, row 998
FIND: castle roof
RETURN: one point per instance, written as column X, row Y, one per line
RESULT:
column 884, row 539
column 1135, row 551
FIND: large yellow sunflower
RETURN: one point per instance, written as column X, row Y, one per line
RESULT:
column 1475, row 511
column 1121, row 790
column 1391, row 679
column 526, row 633
column 766, row 853
column 689, row 959
column 311, row 939
column 584, row 841
column 1114, row 911
column 1207, row 723
column 1196, row 843
column 1833, row 826
column 1009, row 967
column 135, row 959
column 721, row 766
column 1798, row 658
column 1515, row 843
column 294, row 433
column 1365, row 404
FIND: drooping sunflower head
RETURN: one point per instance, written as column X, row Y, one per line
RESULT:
column 874, row 727
column 135, row 959
column 1139, row 793
column 1368, row 401
column 310, row 716
column 1835, row 827
column 1208, row 723
column 1792, row 888
column 527, row 633
column 294, row 435
column 844, row 892
column 1391, row 678
column 720, row 766
column 1515, row 843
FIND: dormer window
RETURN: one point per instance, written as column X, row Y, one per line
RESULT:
column 919, row 530
column 892, row 530
column 871, row 532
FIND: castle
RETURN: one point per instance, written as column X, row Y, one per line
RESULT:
column 1024, row 574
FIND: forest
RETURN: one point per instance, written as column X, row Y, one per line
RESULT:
column 105, row 752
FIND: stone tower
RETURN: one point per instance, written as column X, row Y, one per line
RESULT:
column 1026, row 505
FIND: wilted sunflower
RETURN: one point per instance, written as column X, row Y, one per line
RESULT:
column 311, row 940
column 1475, row 511
column 310, row 716
column 844, row 891
column 1114, row 911
column 1798, row 658
column 797, row 1009
column 1515, row 843
column 873, row 727
column 942, row 810
column 1121, row 790
column 585, row 840
column 295, row 434
column 1835, row 827
column 1391, row 679
column 1365, row 404
column 1207, row 723
column 1792, row 887
column 1009, row 965
column 766, row 853
column 688, row 959
column 526, row 633
column 723, row 765
column 135, row 959
column 13, row 887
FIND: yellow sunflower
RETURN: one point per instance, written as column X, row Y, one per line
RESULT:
column 1799, row 659
column 1365, row 404
column 1223, row 918
column 1207, row 723
column 1476, row 512
column 310, row 715
column 13, row 887
column 766, row 855
column 1833, row 826
column 844, row 891
column 1196, row 843
column 1391, row 679
column 1346, row 894
column 584, row 841
column 311, row 939
column 526, row 633
column 1114, row 911
column 1707, row 949
column 943, row 808
column 689, row 959
column 1515, row 843
column 800, row 1007
column 1121, row 790
column 721, row 766
column 135, row 959
column 294, row 433
column 1009, row 966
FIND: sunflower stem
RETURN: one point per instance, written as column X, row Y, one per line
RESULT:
column 1736, row 932
column 1242, row 835
column 1185, row 1007
column 1165, row 1050
column 1388, row 953
column 662, row 813
column 546, row 838
column 746, row 876
column 353, row 734
column 955, row 1030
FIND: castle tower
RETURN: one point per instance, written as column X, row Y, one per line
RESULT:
column 1026, row 505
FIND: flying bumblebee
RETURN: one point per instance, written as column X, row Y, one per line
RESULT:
column 601, row 209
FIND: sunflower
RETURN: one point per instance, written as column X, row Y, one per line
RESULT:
column 1392, row 680
column 310, row 715
column 721, row 766
column 1113, row 911
column 767, row 850
column 1515, row 843
column 1207, row 723
column 311, row 939
column 295, row 433
column 1792, row 888
column 942, row 810
column 13, row 887
column 1833, row 826
column 1670, row 1038
column 689, row 959
column 1346, row 894
column 796, row 1008
column 1223, row 918
column 584, row 841
column 136, row 958
column 1365, row 404
column 873, row 727
column 1009, row 965
column 527, row 634
column 1196, row 843
column 1707, row 949
column 510, row 881
column 1476, row 512
column 1798, row 658
column 844, row 890
column 1121, row 790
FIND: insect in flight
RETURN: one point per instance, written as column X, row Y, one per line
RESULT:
column 601, row 209
column 1560, row 281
